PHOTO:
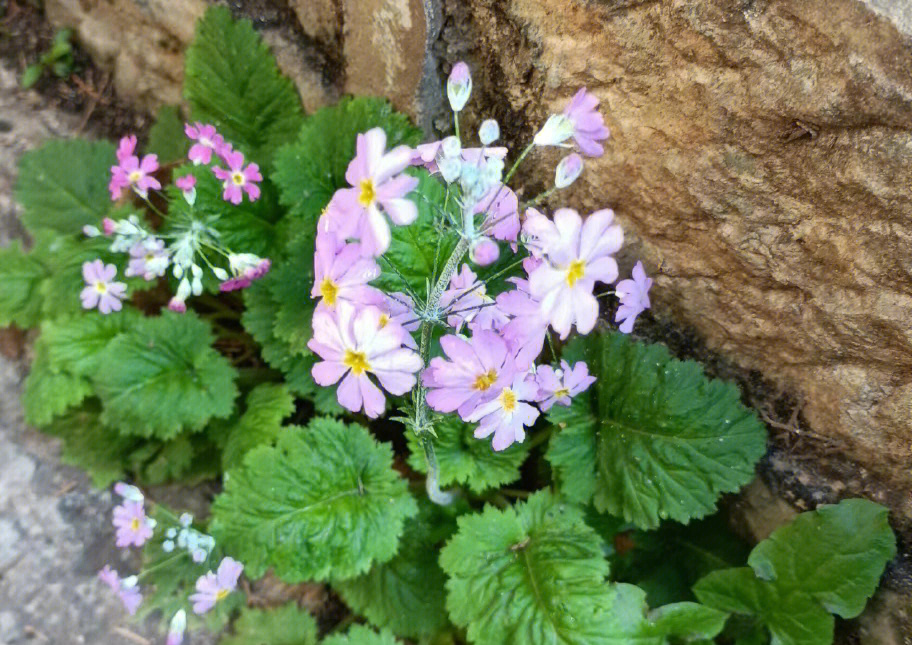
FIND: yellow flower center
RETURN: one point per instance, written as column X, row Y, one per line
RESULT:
column 101, row 287
column 368, row 193
column 329, row 291
column 135, row 176
column 384, row 319
column 562, row 392
column 508, row 400
column 134, row 524
column 575, row 272
column 485, row 381
column 221, row 594
column 356, row 361
column 238, row 178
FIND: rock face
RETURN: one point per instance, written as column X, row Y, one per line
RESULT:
column 760, row 155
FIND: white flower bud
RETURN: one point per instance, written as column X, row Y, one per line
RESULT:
column 459, row 86
column 220, row 273
column 557, row 129
column 569, row 168
column 450, row 169
column 489, row 132
column 451, row 147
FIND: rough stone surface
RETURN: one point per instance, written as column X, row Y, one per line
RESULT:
column 55, row 530
column 761, row 156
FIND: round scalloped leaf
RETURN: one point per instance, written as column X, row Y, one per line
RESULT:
column 529, row 574
column 324, row 502
column 653, row 439
column 285, row 625
column 361, row 635
column 465, row 460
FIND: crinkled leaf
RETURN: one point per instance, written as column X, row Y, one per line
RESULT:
column 312, row 168
column 49, row 392
column 267, row 406
column 631, row 624
column 653, row 438
column 63, row 185
column 465, row 460
column 407, row 593
column 21, row 276
column 828, row 560
column 77, row 344
column 163, row 376
column 530, row 574
column 166, row 136
column 361, row 635
column 231, row 80
column 324, row 502
column 290, row 288
column 285, row 625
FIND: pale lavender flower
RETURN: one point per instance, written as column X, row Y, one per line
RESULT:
column 484, row 251
column 100, row 290
column 466, row 301
column 379, row 192
column 125, row 588
column 148, row 259
column 133, row 527
column 213, row 587
column 342, row 273
column 577, row 254
column 353, row 344
column 238, row 179
column 560, row 385
column 501, row 208
column 588, row 124
column 207, row 141
column 528, row 326
column 427, row 155
column 634, row 296
column 507, row 415
column 129, row 492
column 400, row 309
column 475, row 373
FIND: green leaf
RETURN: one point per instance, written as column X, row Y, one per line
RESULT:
column 267, row 406
column 361, row 635
column 21, row 275
column 529, row 574
column 163, row 376
column 166, row 136
column 323, row 503
column 312, row 168
column 31, row 75
column 290, row 287
column 63, row 185
column 410, row 259
column 654, row 438
column 465, row 460
column 407, row 593
column 630, row 624
column 232, row 81
column 77, row 344
column 49, row 392
column 825, row 561
column 285, row 625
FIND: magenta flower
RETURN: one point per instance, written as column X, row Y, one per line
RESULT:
column 100, row 290
column 148, row 258
column 466, row 301
column 507, row 415
column 133, row 527
column 588, row 124
column 342, row 273
column 126, row 148
column 634, row 296
column 475, row 373
column 213, row 587
column 525, row 332
column 501, row 208
column 207, row 142
column 379, row 187
column 353, row 344
column 245, row 268
column 126, row 589
column 186, row 183
column 559, row 386
column 133, row 173
column 577, row 255
column 238, row 179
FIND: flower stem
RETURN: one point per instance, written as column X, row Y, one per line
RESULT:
column 419, row 396
column 522, row 156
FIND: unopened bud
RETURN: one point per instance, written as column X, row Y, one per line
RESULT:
column 459, row 86
column 485, row 251
column 451, row 147
column 489, row 132
column 569, row 168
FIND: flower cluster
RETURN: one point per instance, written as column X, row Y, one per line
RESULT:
column 488, row 373
column 135, row 529
column 191, row 243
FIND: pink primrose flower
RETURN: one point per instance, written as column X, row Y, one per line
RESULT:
column 135, row 174
column 560, row 385
column 213, row 587
column 133, row 527
column 634, row 296
column 466, row 301
column 125, row 588
column 528, row 325
column 207, row 141
column 588, row 124
column 148, row 259
column 238, row 179
column 100, row 290
column 507, row 415
column 341, row 273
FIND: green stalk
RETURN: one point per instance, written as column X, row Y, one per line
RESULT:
column 419, row 396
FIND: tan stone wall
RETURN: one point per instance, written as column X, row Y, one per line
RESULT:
column 760, row 155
